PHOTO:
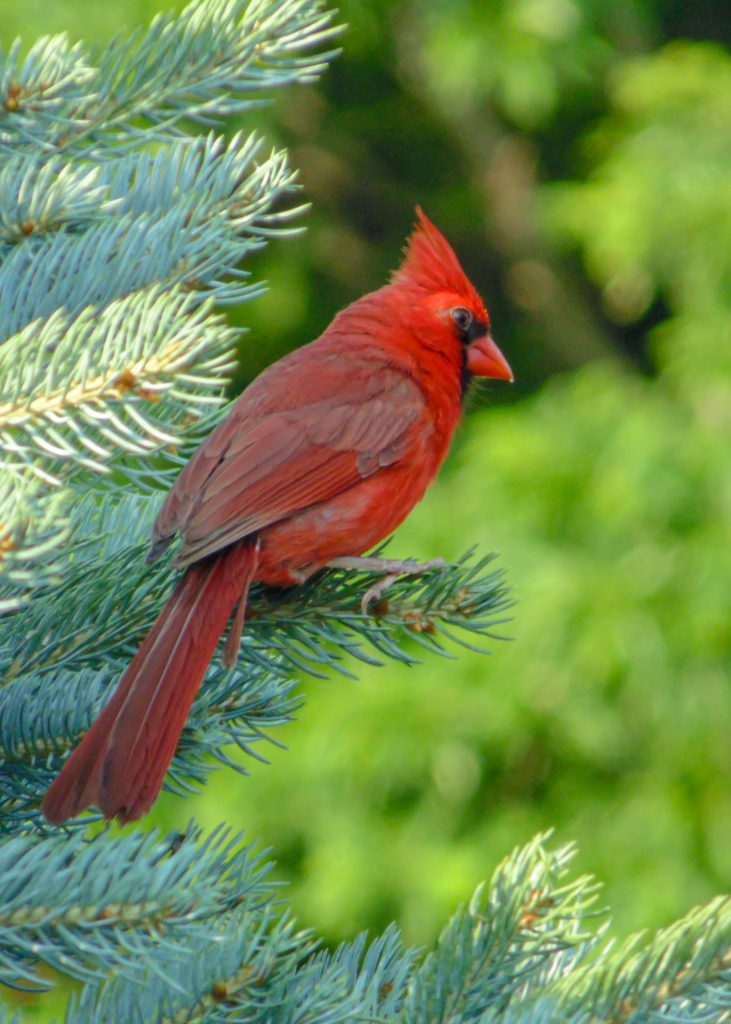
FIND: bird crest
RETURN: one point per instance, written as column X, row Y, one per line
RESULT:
column 430, row 262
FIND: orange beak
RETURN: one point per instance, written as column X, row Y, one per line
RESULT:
column 484, row 359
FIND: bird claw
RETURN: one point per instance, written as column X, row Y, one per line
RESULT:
column 376, row 591
column 392, row 567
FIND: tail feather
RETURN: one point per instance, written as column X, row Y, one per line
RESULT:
column 121, row 762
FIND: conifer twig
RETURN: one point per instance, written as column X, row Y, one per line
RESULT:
column 210, row 61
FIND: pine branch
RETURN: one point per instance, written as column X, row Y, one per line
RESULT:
column 46, row 717
column 120, row 906
column 528, row 927
column 683, row 973
column 38, row 197
column 108, row 249
column 63, row 654
column 230, row 179
column 190, row 214
column 463, row 600
column 96, row 620
column 108, row 357
column 41, row 95
column 34, row 524
column 249, row 975
column 224, row 962
column 79, row 390
column 208, row 62
column 527, row 950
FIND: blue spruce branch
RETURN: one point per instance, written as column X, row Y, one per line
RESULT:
column 34, row 524
column 208, row 62
column 89, row 909
column 528, row 949
column 110, row 355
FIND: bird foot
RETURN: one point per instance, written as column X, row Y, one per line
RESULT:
column 392, row 568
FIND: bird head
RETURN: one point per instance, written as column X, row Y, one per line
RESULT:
column 447, row 305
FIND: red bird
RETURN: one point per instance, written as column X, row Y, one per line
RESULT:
column 319, row 460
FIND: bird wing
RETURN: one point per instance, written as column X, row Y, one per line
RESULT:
column 272, row 458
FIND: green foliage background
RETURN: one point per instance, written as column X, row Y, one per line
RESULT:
column 578, row 154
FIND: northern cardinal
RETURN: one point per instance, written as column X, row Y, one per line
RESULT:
column 322, row 456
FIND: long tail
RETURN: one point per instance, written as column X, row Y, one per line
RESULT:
column 121, row 762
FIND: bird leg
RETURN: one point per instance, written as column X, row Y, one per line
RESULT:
column 392, row 568
column 233, row 640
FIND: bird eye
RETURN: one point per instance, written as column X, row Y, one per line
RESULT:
column 463, row 319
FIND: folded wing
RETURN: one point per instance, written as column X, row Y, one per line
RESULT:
column 272, row 458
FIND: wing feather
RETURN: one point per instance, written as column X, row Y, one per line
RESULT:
column 241, row 515
column 278, row 459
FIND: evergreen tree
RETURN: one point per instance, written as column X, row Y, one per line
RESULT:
column 121, row 231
